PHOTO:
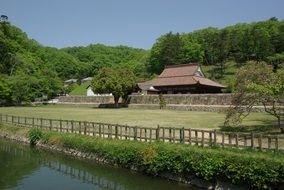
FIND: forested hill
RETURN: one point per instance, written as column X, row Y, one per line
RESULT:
column 258, row 41
column 29, row 70
column 97, row 56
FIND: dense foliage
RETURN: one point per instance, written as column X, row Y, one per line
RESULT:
column 97, row 56
column 119, row 82
column 260, row 41
column 35, row 135
column 29, row 70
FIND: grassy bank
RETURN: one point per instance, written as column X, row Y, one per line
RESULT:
column 256, row 169
column 137, row 117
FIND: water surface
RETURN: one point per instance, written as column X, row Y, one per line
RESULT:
column 23, row 167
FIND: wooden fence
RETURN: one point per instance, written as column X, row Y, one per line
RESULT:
column 148, row 134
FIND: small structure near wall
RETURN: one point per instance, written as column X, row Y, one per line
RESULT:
column 145, row 89
column 86, row 79
column 70, row 81
column 90, row 92
column 181, row 79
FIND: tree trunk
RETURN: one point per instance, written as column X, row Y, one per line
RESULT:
column 116, row 98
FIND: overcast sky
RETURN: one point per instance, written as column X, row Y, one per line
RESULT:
column 62, row 23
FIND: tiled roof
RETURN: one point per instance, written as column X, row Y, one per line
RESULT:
column 179, row 70
column 180, row 75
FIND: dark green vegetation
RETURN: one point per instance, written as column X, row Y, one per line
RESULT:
column 119, row 82
column 30, row 70
column 255, row 169
column 260, row 41
column 35, row 135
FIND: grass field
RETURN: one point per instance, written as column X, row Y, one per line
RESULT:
column 81, row 90
column 136, row 117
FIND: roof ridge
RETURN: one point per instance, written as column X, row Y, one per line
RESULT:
column 176, row 76
column 181, row 65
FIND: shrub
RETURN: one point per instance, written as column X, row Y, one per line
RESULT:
column 34, row 135
column 258, row 170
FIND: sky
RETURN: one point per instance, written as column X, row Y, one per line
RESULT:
column 134, row 23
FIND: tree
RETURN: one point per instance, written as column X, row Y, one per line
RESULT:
column 276, row 60
column 168, row 50
column 119, row 82
column 257, row 84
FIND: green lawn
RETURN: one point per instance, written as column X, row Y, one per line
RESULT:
column 81, row 90
column 138, row 117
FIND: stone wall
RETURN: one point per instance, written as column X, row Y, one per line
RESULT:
column 183, row 99
column 87, row 99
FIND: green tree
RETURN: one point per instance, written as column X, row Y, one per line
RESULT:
column 168, row 50
column 119, row 82
column 276, row 60
column 257, row 84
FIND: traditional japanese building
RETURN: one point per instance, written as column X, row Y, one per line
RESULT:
column 180, row 79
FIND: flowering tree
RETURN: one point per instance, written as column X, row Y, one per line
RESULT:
column 257, row 84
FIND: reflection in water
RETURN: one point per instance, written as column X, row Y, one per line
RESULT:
column 22, row 167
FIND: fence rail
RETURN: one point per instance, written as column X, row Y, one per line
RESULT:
column 147, row 134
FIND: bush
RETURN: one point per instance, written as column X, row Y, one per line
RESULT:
column 34, row 135
column 255, row 169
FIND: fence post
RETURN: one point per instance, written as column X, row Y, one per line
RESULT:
column 80, row 127
column 12, row 119
column 50, row 124
column 72, row 126
column 93, row 128
column 33, row 124
column 41, row 123
column 85, row 129
column 126, row 130
column 150, row 135
column 0, row 117
column 60, row 125
column 252, row 140
column 260, row 142
column 210, row 138
column 202, row 140
column 158, row 133
column 135, row 133
column 100, row 130
column 189, row 136
column 170, row 134
column 223, row 139
column 181, row 134
column 269, row 142
column 230, row 139
column 145, row 130
column 25, row 121
column 237, row 140
column 277, row 143
column 215, row 137
column 108, row 131
column 163, row 134
column 116, row 132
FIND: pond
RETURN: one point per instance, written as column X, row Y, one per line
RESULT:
column 24, row 167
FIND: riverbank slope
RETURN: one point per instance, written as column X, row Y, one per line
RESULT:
column 204, row 167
